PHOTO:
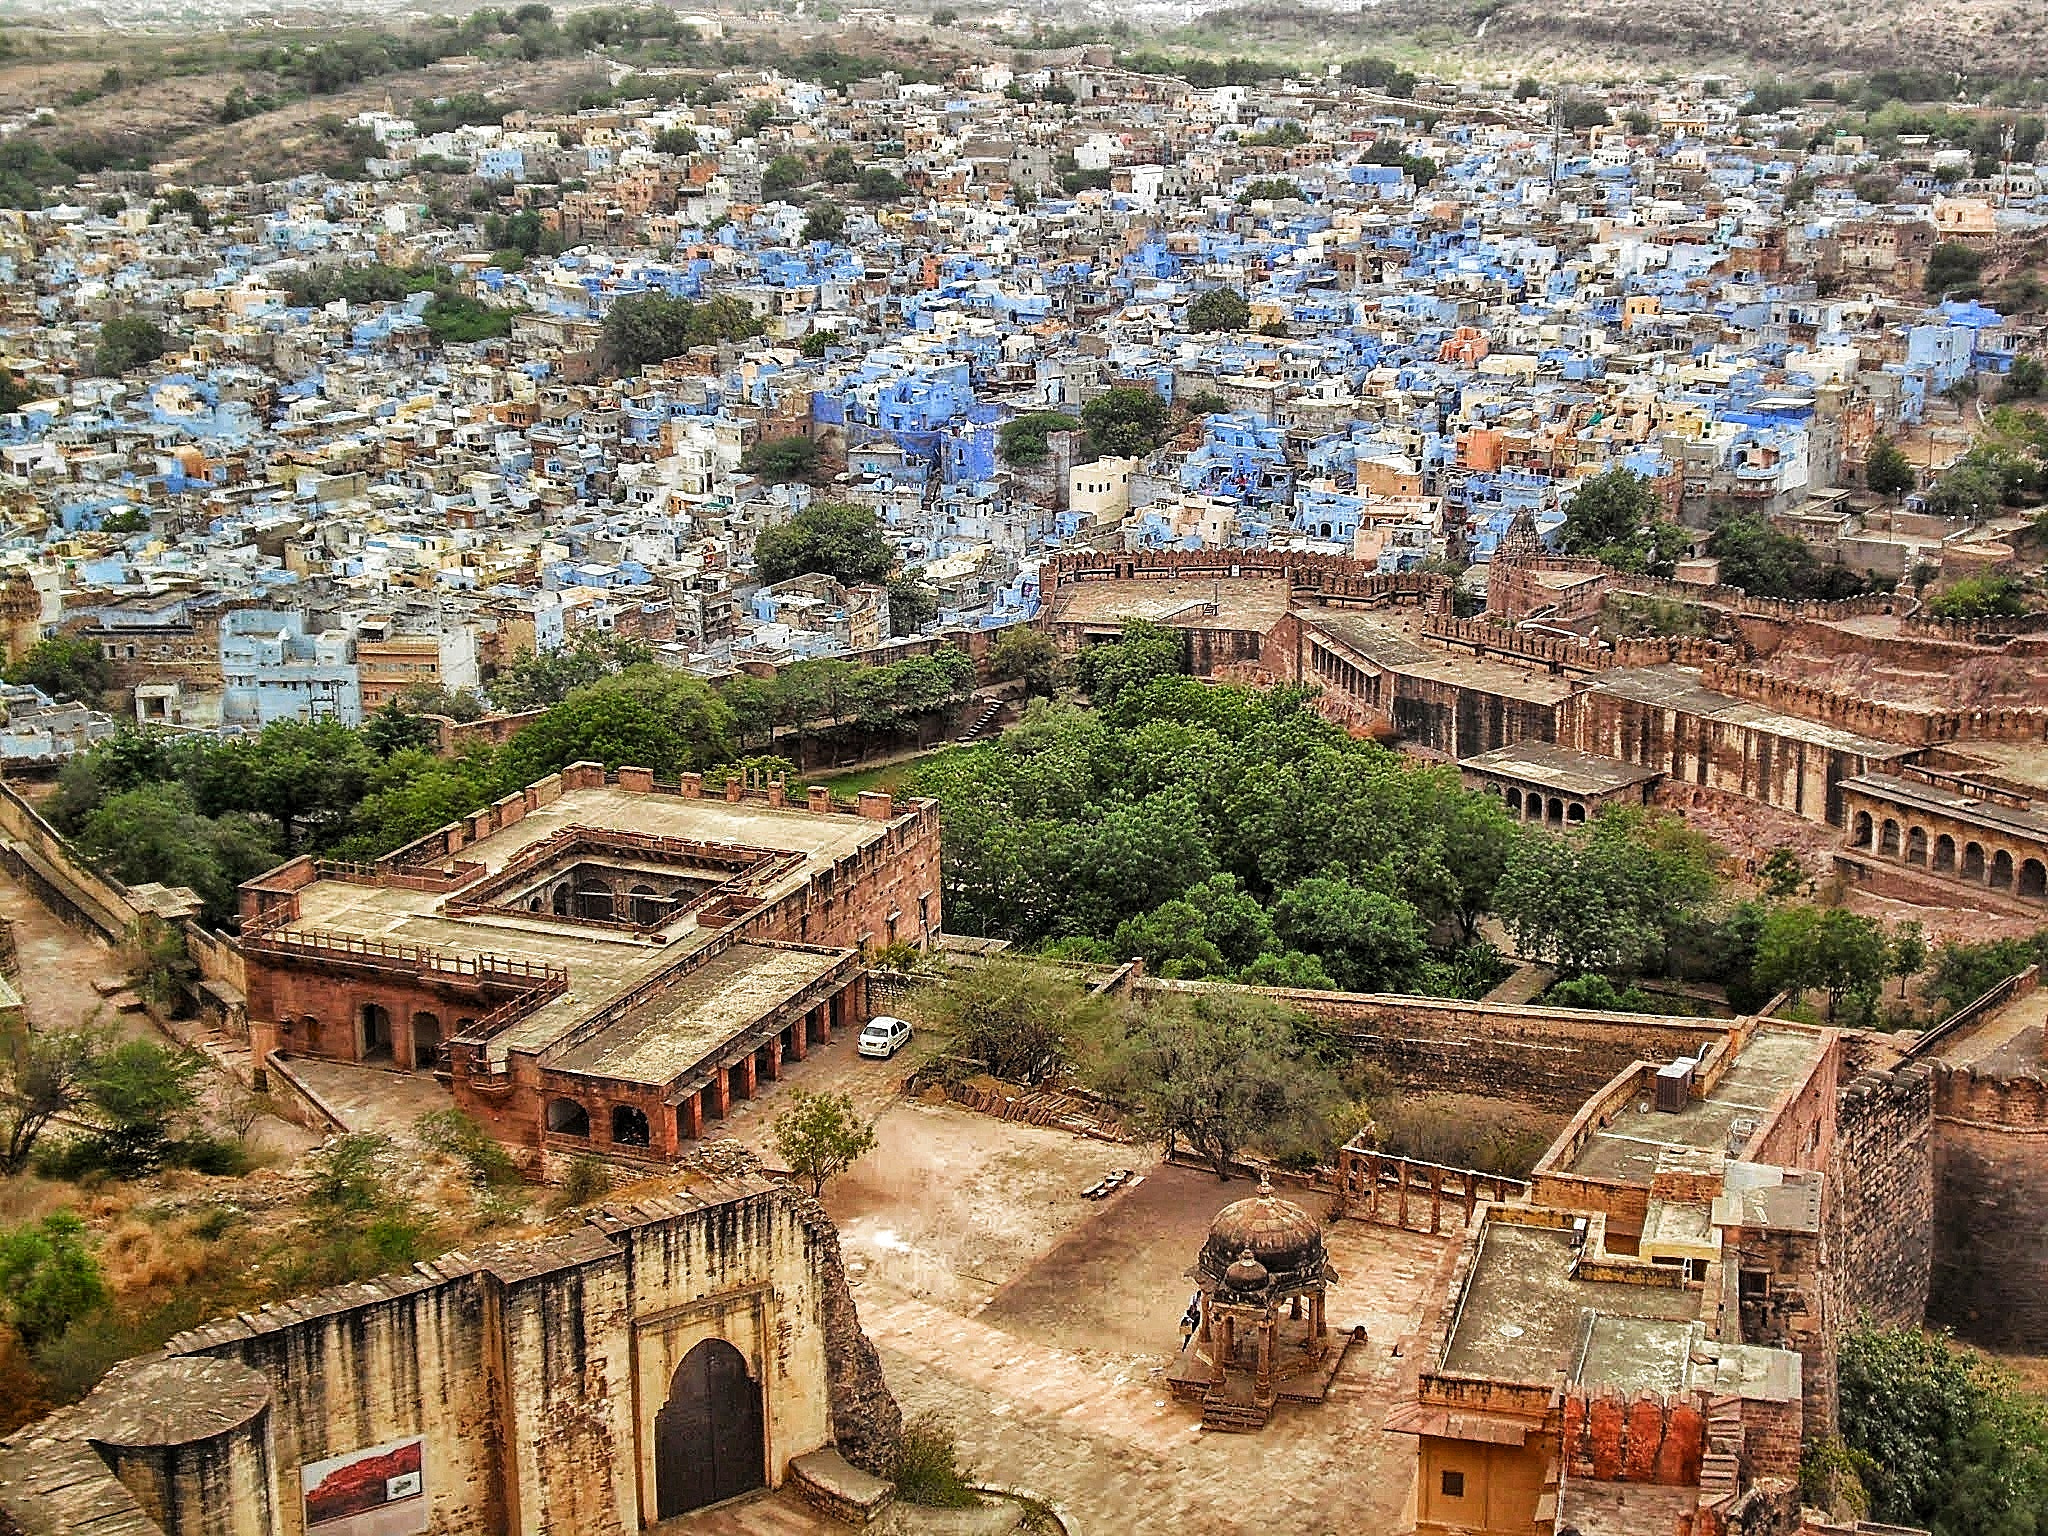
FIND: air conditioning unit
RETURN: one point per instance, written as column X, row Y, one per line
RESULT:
column 1674, row 1085
column 1740, row 1130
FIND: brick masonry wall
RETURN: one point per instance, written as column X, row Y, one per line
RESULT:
column 1878, row 1230
column 1991, row 1189
column 1554, row 1057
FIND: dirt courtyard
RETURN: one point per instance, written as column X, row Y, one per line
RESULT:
column 1041, row 1324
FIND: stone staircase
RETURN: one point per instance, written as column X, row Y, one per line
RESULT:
column 982, row 722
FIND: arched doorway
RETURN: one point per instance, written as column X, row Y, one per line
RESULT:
column 2033, row 878
column 629, row 1126
column 1916, row 846
column 1888, row 838
column 1944, row 854
column 376, row 1032
column 1973, row 862
column 1514, row 802
column 426, row 1041
column 708, row 1437
column 2001, row 871
column 1861, row 836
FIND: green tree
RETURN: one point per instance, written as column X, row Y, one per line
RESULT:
column 1980, row 597
column 824, row 220
column 535, row 681
column 1369, row 941
column 651, row 327
column 1952, row 266
column 2024, row 380
column 913, row 604
column 1766, row 562
column 1126, row 421
column 1222, row 1071
column 1608, row 897
column 128, row 341
column 1615, row 517
column 65, row 667
column 1909, row 954
column 676, row 141
column 839, row 167
column 14, row 394
column 1781, row 874
column 781, row 460
column 1219, row 309
column 820, row 1136
column 1026, row 655
column 1829, row 949
column 1021, row 439
column 879, row 184
column 138, row 1090
column 49, row 1277
column 47, row 1074
column 1886, row 469
column 838, row 538
column 782, row 174
column 1018, row 1021
column 1141, row 655
column 156, row 833
column 648, row 717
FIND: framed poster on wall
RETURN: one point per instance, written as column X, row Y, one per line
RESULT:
column 380, row 1490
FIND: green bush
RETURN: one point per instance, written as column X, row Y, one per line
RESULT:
column 928, row 1470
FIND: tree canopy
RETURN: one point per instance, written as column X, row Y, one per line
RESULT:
column 1605, row 898
column 647, row 328
column 1125, row 421
column 1615, row 517
column 1219, row 309
column 836, row 538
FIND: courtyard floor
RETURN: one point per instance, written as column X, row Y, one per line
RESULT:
column 1041, row 1325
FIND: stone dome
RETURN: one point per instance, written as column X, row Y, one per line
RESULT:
column 1279, row 1234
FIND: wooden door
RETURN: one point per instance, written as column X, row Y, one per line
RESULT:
column 708, row 1437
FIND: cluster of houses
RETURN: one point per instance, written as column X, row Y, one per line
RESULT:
column 1454, row 311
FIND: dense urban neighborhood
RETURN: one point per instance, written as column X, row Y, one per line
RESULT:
column 732, row 742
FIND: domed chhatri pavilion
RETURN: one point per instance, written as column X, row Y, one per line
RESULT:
column 1261, row 1334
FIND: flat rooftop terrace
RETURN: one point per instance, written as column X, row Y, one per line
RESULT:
column 1524, row 1317
column 1391, row 640
column 1563, row 769
column 654, row 1043
column 1679, row 688
column 1628, row 1147
column 1239, row 602
column 603, row 963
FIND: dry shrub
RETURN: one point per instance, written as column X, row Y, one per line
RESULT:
column 1463, row 1133
column 138, row 1257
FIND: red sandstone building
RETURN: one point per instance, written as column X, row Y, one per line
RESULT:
column 598, row 963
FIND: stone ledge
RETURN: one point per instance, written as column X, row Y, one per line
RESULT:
column 832, row 1485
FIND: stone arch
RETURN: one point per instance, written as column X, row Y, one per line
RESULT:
column 558, row 903
column 1973, row 861
column 1859, row 837
column 568, row 1118
column 1575, row 814
column 309, row 1034
column 2033, row 879
column 644, row 904
column 1514, row 801
column 1554, row 811
column 533, row 904
column 593, row 901
column 1888, row 838
column 426, row 1040
column 1944, row 854
column 373, row 1028
column 2001, row 871
column 629, row 1126
column 710, row 1440
column 1916, row 845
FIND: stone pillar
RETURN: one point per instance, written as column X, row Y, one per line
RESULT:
column 690, row 1115
column 1315, row 1316
column 748, row 1082
column 733, row 790
column 721, row 1093
column 800, row 1038
column 775, row 1060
